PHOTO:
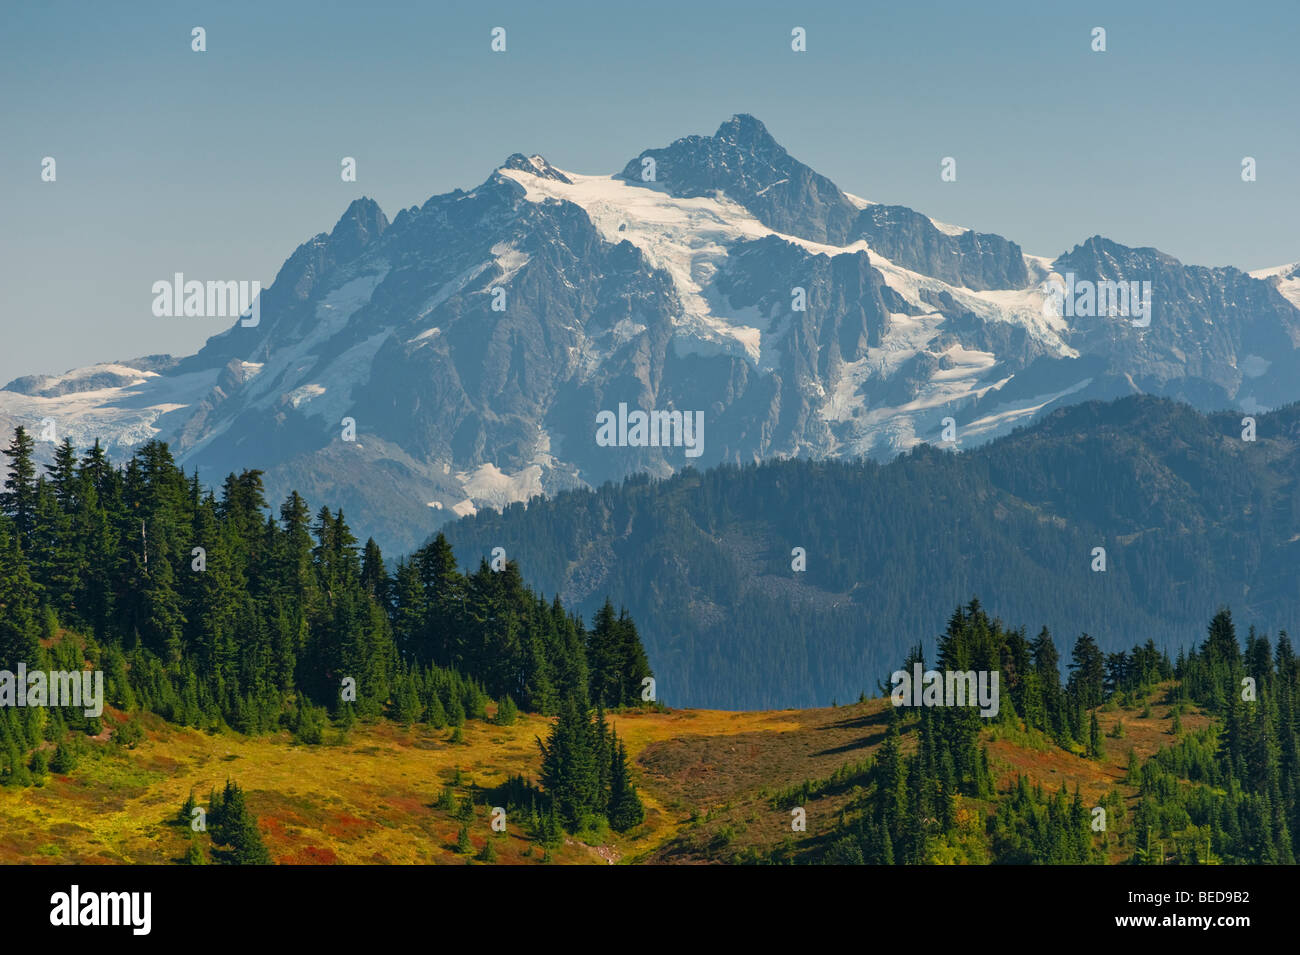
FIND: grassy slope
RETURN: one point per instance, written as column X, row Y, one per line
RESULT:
column 706, row 778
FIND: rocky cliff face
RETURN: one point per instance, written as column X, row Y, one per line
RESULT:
column 974, row 260
column 470, row 343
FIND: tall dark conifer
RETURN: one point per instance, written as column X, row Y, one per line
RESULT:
column 18, row 500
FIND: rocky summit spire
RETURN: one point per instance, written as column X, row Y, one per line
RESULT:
column 743, row 162
column 362, row 223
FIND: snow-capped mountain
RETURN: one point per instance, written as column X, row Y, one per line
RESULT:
column 474, row 340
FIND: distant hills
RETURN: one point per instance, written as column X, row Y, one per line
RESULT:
column 1190, row 516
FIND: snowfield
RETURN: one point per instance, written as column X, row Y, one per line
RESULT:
column 689, row 238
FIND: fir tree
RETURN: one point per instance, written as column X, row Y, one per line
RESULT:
column 233, row 828
column 570, row 773
column 507, row 712
column 18, row 500
column 194, row 854
column 625, row 808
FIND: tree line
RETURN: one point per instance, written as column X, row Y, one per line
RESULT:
column 207, row 609
column 1226, row 793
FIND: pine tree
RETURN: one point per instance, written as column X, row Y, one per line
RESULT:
column 373, row 576
column 232, row 827
column 39, row 764
column 63, row 476
column 1087, row 673
column 65, row 758
column 441, row 640
column 625, row 808
column 603, row 657
column 434, row 713
column 194, row 854
column 408, row 611
column 19, row 642
column 18, row 500
column 507, row 712
column 465, row 810
column 549, row 831
column 569, row 771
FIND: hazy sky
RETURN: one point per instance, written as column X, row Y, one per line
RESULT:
column 219, row 164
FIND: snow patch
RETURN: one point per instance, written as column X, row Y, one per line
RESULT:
column 488, row 484
column 120, row 418
column 770, row 185
column 1289, row 288
column 686, row 237
column 425, row 335
column 1005, row 417
column 509, row 259
column 305, row 393
column 947, row 228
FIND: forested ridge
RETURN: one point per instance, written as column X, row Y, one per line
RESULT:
column 1225, row 793
column 210, row 611
column 1190, row 514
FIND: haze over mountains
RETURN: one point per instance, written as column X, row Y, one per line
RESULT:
column 1191, row 517
column 673, row 294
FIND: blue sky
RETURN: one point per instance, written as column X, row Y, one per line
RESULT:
column 219, row 164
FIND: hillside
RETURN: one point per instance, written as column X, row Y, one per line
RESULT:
column 1191, row 517
column 1133, row 758
column 323, row 707
column 368, row 796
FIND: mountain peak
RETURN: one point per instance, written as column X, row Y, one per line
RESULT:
column 744, row 162
column 360, row 223
column 746, row 132
column 535, row 166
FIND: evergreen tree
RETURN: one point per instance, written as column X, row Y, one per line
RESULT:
column 18, row 637
column 233, row 828
column 1087, row 673
column 507, row 712
column 18, row 500
column 194, row 854
column 625, row 808
column 570, row 773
